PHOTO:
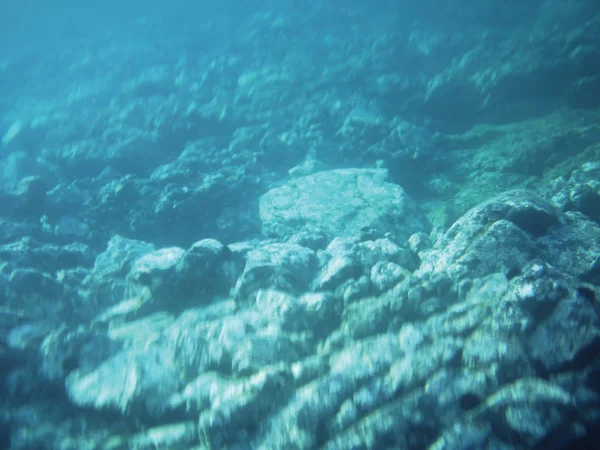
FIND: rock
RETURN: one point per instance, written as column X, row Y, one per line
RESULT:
column 118, row 258
column 574, row 246
column 156, row 271
column 583, row 190
column 47, row 258
column 44, row 280
column 31, row 196
column 367, row 317
column 105, row 284
column 346, row 260
column 287, row 267
column 586, row 200
column 567, row 336
column 340, row 203
column 174, row 435
column 355, row 289
column 314, row 240
column 235, row 406
column 202, row 272
column 173, row 279
column 35, row 284
column 69, row 228
column 507, row 227
column 311, row 313
column 257, row 351
column 129, row 380
column 376, row 251
column 518, row 405
column 385, row 275
column 66, row 198
column 337, row 270
column 419, row 242
column 64, row 351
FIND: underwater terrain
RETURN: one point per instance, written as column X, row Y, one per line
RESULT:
column 329, row 224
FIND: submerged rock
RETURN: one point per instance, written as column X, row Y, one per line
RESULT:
column 287, row 267
column 507, row 227
column 341, row 203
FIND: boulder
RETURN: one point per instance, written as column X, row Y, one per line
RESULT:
column 340, row 203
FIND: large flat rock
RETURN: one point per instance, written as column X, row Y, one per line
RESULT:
column 340, row 203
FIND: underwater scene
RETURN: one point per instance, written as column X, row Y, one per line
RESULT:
column 298, row 225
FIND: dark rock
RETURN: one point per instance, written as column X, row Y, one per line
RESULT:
column 587, row 200
column 574, row 246
column 508, row 227
column 469, row 401
column 570, row 330
column 201, row 270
